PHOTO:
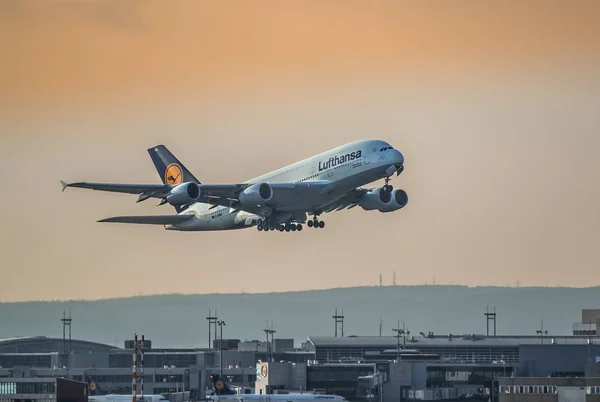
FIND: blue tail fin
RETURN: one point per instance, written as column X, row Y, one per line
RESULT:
column 170, row 170
column 220, row 386
column 93, row 387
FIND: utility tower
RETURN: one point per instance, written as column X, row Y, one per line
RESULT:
column 66, row 323
column 339, row 319
column 212, row 320
column 269, row 331
column 490, row 317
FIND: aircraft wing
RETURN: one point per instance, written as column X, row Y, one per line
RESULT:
column 226, row 195
column 151, row 219
column 157, row 190
column 349, row 200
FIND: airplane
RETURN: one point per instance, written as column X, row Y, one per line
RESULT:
column 95, row 395
column 124, row 397
column 278, row 200
column 223, row 393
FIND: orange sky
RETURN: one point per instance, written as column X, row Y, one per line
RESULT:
column 495, row 106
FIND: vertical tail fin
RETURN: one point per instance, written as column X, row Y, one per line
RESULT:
column 170, row 170
column 93, row 387
column 220, row 386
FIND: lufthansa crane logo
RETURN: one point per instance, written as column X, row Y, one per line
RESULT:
column 263, row 371
column 219, row 384
column 173, row 174
column 92, row 386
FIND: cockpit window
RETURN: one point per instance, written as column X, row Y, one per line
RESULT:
column 385, row 149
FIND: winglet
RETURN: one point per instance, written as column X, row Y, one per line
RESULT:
column 64, row 185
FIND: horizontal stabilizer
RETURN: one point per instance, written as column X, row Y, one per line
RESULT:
column 151, row 219
column 155, row 189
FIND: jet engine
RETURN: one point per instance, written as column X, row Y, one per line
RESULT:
column 384, row 201
column 256, row 194
column 399, row 201
column 183, row 194
column 375, row 199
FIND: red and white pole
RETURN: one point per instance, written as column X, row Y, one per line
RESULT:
column 142, row 366
column 134, row 369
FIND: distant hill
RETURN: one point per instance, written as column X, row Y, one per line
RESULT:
column 179, row 320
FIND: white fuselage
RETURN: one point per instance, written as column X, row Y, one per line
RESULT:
column 342, row 173
column 276, row 398
column 123, row 398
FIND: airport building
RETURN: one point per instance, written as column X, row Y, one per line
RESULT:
column 393, row 368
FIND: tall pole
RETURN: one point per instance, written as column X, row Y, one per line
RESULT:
column 215, row 321
column 212, row 320
column 134, row 371
column 221, row 324
column 142, row 367
column 398, row 331
column 272, row 332
column 541, row 333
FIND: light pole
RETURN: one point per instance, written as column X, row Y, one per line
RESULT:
column 400, row 331
column 541, row 333
column 221, row 323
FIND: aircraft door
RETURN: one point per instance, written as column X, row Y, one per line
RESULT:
column 367, row 157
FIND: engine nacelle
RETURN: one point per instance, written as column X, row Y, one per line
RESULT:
column 375, row 199
column 399, row 201
column 256, row 194
column 183, row 194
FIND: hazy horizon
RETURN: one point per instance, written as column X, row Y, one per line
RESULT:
column 496, row 108
column 298, row 291
column 297, row 315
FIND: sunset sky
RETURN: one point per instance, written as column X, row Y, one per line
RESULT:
column 495, row 106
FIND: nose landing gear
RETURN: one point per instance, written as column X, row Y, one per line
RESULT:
column 388, row 187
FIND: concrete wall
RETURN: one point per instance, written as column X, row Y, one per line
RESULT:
column 283, row 345
column 289, row 376
column 543, row 360
column 235, row 358
column 404, row 376
column 88, row 360
column 590, row 315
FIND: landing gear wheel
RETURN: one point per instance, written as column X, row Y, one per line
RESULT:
column 293, row 227
column 287, row 228
column 309, row 224
column 259, row 227
column 388, row 187
column 321, row 224
column 280, row 228
column 299, row 227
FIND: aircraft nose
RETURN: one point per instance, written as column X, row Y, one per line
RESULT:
column 398, row 157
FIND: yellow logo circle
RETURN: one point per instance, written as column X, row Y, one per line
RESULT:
column 219, row 384
column 92, row 386
column 173, row 174
column 263, row 371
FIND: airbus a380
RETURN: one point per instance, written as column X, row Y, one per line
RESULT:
column 279, row 200
column 222, row 393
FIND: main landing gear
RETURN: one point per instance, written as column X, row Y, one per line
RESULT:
column 288, row 227
column 315, row 223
